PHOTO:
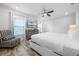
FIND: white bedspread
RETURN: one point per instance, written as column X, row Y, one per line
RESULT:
column 60, row 43
column 53, row 41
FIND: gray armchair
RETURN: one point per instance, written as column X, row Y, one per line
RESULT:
column 29, row 33
column 8, row 40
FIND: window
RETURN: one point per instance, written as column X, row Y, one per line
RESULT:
column 40, row 27
column 19, row 24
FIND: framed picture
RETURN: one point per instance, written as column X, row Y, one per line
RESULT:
column 31, row 23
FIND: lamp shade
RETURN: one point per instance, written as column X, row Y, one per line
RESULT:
column 73, row 27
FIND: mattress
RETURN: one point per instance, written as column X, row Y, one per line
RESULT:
column 52, row 41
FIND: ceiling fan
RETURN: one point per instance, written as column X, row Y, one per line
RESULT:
column 47, row 13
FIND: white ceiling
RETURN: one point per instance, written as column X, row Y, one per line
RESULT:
column 36, row 8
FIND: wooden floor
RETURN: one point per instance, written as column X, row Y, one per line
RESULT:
column 20, row 50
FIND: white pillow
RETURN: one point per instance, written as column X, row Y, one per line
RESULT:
column 73, row 34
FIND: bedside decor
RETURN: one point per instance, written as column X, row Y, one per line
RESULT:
column 73, row 27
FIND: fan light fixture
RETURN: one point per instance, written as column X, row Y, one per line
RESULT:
column 45, row 14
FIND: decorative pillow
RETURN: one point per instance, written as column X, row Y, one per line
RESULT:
column 74, row 35
column 8, row 37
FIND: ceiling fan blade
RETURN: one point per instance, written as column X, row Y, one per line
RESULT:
column 50, row 11
column 48, row 14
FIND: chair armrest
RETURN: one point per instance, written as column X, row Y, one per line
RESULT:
column 0, row 40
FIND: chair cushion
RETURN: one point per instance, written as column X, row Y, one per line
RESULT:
column 8, row 37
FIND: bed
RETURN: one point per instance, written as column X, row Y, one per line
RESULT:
column 54, row 44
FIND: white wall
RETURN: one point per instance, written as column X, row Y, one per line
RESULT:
column 77, row 15
column 59, row 25
column 4, row 18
